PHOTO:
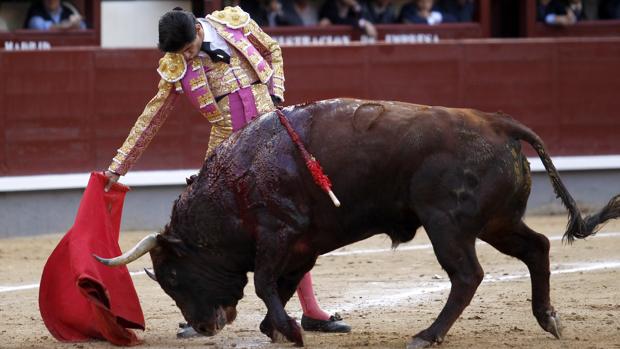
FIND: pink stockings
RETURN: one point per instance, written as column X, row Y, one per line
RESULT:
column 308, row 301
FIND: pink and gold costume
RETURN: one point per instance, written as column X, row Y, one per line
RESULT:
column 228, row 95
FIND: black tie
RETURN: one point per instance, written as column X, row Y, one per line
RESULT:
column 216, row 55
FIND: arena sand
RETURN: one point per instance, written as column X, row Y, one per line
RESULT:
column 385, row 295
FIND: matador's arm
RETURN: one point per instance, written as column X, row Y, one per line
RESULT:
column 145, row 128
column 172, row 68
column 271, row 52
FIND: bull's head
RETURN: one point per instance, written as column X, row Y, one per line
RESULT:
column 201, row 282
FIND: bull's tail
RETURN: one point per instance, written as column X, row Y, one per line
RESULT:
column 577, row 226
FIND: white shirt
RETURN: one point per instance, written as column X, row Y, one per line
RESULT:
column 211, row 36
column 434, row 18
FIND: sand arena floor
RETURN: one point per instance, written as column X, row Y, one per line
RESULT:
column 385, row 295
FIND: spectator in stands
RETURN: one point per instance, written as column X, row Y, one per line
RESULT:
column 268, row 13
column 420, row 12
column 456, row 10
column 299, row 13
column 540, row 9
column 609, row 9
column 564, row 12
column 379, row 11
column 51, row 14
column 346, row 12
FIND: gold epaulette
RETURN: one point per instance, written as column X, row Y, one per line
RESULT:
column 232, row 17
column 172, row 67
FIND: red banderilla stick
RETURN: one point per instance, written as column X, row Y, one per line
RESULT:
column 311, row 163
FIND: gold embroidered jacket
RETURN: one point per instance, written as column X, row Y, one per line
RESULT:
column 256, row 57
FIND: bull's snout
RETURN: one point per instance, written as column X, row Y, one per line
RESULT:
column 213, row 326
column 206, row 330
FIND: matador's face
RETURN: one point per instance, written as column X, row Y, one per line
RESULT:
column 190, row 51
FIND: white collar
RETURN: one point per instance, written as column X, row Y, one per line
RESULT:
column 211, row 36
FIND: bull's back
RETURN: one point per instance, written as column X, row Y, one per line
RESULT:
column 383, row 136
column 393, row 158
column 388, row 162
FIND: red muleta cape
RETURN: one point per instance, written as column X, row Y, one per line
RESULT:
column 79, row 298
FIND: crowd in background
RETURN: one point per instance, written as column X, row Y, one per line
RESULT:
column 365, row 14
column 308, row 12
column 359, row 13
column 569, row 12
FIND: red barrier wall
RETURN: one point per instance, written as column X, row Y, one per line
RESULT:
column 67, row 110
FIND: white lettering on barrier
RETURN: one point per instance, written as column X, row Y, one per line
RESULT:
column 303, row 40
column 419, row 38
column 300, row 40
column 27, row 45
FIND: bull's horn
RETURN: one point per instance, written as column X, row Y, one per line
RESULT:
column 142, row 247
column 150, row 274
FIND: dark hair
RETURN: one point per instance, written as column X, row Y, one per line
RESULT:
column 177, row 28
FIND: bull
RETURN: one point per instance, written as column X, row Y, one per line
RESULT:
column 396, row 167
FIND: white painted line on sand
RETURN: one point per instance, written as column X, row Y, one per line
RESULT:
column 17, row 288
column 439, row 286
column 4, row 289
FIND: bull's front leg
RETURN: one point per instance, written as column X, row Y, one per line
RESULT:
column 274, row 289
column 286, row 288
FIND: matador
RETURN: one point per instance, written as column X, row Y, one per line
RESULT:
column 232, row 72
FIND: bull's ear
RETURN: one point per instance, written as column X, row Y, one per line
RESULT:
column 174, row 244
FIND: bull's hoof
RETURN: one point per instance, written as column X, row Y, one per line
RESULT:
column 296, row 333
column 296, row 336
column 266, row 328
column 277, row 337
column 552, row 324
column 417, row 343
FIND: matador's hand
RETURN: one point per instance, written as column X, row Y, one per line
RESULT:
column 112, row 178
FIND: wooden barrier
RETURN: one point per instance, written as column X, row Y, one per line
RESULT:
column 67, row 110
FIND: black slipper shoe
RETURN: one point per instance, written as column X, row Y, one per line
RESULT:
column 334, row 324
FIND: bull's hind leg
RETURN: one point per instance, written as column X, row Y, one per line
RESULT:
column 533, row 249
column 455, row 251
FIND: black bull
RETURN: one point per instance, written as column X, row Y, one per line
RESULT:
column 395, row 167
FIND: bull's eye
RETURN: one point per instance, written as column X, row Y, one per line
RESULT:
column 173, row 278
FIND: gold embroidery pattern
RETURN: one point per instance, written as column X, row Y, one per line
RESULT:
column 265, row 71
column 178, row 87
column 198, row 82
column 196, row 64
column 205, row 100
column 172, row 67
column 224, row 79
column 213, row 115
column 272, row 53
column 264, row 104
column 221, row 130
column 145, row 128
column 232, row 17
